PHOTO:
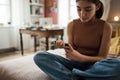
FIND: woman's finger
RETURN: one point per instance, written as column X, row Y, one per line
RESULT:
column 60, row 43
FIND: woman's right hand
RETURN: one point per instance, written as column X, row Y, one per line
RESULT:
column 60, row 43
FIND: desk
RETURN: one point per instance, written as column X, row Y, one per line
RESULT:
column 40, row 33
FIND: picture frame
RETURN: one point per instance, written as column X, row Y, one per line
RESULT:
column 46, row 22
column 34, row 1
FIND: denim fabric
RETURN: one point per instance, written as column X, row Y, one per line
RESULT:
column 57, row 67
column 107, row 69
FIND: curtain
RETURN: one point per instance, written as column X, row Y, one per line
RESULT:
column 5, row 14
column 106, row 4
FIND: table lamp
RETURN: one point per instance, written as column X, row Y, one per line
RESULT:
column 116, row 18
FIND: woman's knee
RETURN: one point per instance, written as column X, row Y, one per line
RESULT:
column 39, row 56
column 43, row 57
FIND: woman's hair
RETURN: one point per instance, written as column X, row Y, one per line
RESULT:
column 99, row 12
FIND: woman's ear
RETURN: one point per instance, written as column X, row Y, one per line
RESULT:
column 98, row 6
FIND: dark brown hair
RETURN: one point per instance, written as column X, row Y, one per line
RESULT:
column 99, row 12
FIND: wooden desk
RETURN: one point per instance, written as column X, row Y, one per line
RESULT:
column 41, row 33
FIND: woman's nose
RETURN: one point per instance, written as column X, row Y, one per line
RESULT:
column 82, row 14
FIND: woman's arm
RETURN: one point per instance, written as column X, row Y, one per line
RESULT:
column 105, row 42
column 69, row 33
column 61, row 43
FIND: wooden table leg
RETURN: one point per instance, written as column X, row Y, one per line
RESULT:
column 21, row 43
column 35, row 43
column 47, row 43
column 61, row 37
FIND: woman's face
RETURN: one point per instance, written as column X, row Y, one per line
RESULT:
column 86, row 10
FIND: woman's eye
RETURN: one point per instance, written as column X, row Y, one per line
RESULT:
column 78, row 9
column 88, row 10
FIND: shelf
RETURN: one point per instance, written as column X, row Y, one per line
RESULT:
column 36, row 9
column 37, row 15
column 36, row 4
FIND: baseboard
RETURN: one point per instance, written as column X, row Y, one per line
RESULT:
column 6, row 50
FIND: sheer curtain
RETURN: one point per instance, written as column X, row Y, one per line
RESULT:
column 5, row 11
column 73, row 10
column 106, row 4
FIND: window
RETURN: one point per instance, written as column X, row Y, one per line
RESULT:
column 68, row 13
column 73, row 10
column 4, row 11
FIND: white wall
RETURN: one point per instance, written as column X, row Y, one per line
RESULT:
column 18, row 13
column 63, row 15
column 11, row 34
column 63, row 10
column 19, row 17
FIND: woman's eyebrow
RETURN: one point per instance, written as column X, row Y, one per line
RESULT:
column 85, row 7
column 78, row 7
column 88, row 7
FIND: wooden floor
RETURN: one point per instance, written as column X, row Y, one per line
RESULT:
column 13, row 55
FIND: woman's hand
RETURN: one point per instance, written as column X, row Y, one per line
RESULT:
column 60, row 43
column 71, row 53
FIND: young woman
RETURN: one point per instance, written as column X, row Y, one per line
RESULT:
column 88, row 42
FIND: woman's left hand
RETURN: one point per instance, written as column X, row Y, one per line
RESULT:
column 71, row 53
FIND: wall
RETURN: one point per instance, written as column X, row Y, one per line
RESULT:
column 115, row 9
column 63, row 15
column 63, row 12
column 20, row 16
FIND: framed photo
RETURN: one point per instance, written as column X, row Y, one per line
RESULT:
column 46, row 22
column 34, row 1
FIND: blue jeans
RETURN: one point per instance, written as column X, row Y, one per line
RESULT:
column 57, row 67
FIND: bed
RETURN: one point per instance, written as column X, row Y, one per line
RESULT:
column 24, row 68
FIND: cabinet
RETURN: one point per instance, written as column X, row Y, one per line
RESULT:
column 36, row 10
